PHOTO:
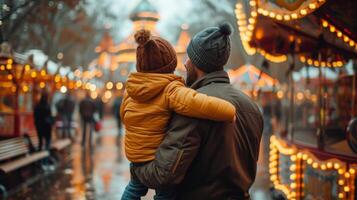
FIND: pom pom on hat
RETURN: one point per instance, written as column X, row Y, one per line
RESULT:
column 226, row 29
column 142, row 36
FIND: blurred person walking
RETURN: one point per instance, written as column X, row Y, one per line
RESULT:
column 43, row 121
column 116, row 113
column 65, row 108
column 99, row 104
column 87, row 109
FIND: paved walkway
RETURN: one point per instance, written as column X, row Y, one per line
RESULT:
column 103, row 174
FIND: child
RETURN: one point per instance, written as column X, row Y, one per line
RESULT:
column 152, row 94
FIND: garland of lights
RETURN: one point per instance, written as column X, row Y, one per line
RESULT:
column 318, row 63
column 302, row 159
column 246, row 29
column 287, row 16
column 339, row 34
column 277, row 148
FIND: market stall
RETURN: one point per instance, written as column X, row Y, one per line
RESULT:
column 16, row 75
column 311, row 151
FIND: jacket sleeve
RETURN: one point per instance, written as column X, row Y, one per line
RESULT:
column 122, row 106
column 174, row 155
column 191, row 103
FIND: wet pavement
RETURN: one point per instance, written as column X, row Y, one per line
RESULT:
column 104, row 172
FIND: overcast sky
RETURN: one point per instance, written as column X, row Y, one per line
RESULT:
column 173, row 13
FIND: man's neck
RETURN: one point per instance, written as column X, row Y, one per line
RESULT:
column 200, row 73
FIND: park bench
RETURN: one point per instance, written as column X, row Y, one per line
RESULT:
column 56, row 144
column 15, row 154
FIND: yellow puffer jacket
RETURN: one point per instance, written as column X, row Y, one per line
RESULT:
column 146, row 109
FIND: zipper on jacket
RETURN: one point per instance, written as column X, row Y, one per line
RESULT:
column 177, row 161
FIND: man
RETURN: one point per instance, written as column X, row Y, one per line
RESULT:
column 87, row 109
column 65, row 107
column 204, row 159
column 116, row 112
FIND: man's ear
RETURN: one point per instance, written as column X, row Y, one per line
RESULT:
column 198, row 71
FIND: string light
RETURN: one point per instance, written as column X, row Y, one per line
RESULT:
column 246, row 26
column 297, row 14
column 318, row 63
column 295, row 188
column 348, row 41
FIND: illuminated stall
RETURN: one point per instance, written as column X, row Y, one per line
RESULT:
column 252, row 80
column 16, row 77
column 312, row 45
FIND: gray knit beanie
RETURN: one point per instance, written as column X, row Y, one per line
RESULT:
column 209, row 49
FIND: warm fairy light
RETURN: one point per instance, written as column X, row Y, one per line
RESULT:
column 93, row 95
column 312, row 6
column 309, row 61
column 341, row 171
column 336, row 166
column 27, row 67
column 280, row 94
column 25, row 88
column 346, row 39
column 332, row 29
column 109, row 85
column 43, row 72
column 63, row 89
column 9, row 66
column 108, row 94
column 119, row 85
column 10, row 77
column 347, row 175
column 87, row 86
column 303, row 12
column 286, row 17
column 79, row 83
column 329, row 165
column 341, row 182
column 42, row 84
column 352, row 171
column 346, row 189
column 352, row 43
column 341, row 195
column 33, row 74
column 9, row 61
column 294, row 16
column 92, row 87
column 315, row 165
column 309, row 161
column 2, row 67
column 271, row 14
column 339, row 34
column 57, row 78
column 300, row 96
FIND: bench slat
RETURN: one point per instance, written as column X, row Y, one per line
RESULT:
column 21, row 162
column 13, row 150
column 61, row 144
column 13, row 154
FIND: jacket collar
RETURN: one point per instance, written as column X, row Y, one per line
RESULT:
column 214, row 77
